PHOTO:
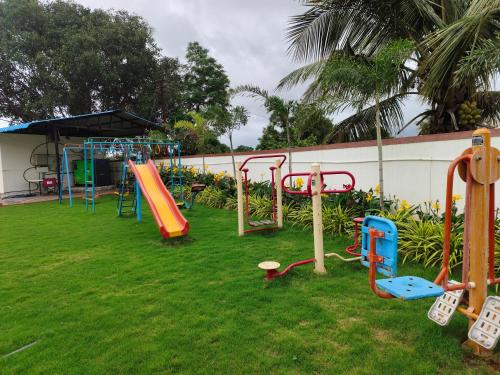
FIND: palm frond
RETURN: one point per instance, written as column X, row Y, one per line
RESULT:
column 302, row 74
column 489, row 103
column 365, row 25
column 252, row 91
column 451, row 44
column 361, row 125
column 480, row 65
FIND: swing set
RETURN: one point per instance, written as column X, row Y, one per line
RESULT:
column 140, row 149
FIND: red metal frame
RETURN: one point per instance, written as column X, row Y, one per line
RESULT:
column 442, row 278
column 310, row 175
column 491, row 239
column 264, row 157
column 294, row 192
column 273, row 274
column 351, row 249
column 374, row 258
column 273, row 192
column 335, row 191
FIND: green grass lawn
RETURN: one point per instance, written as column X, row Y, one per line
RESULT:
column 106, row 295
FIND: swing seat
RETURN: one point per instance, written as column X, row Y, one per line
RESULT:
column 410, row 287
column 260, row 223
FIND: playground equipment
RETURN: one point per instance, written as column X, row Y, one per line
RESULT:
column 276, row 196
column 195, row 190
column 478, row 166
column 168, row 217
column 144, row 173
column 314, row 189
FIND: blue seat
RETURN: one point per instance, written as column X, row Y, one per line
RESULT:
column 386, row 247
column 405, row 287
column 410, row 287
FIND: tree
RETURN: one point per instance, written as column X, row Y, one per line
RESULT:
column 170, row 84
column 358, row 82
column 226, row 121
column 197, row 127
column 60, row 58
column 308, row 127
column 243, row 148
column 205, row 81
column 279, row 109
column 310, row 124
column 447, row 37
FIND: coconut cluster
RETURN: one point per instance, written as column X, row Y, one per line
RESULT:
column 469, row 113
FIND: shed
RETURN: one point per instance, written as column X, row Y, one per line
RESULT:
column 32, row 149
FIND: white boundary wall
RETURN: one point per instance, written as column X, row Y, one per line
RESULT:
column 414, row 168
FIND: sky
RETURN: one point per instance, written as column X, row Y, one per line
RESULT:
column 246, row 37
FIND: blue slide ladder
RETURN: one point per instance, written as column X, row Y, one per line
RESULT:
column 127, row 200
column 386, row 250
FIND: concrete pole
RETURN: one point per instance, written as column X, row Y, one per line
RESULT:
column 481, row 167
column 317, row 220
column 239, row 189
column 279, row 194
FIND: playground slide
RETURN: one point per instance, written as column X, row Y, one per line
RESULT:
column 166, row 213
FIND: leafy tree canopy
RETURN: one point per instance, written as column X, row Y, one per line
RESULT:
column 60, row 58
column 206, row 82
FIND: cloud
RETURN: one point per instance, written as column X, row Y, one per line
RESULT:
column 247, row 37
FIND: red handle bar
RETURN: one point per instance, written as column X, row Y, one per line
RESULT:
column 264, row 157
column 296, row 192
column 310, row 175
column 347, row 188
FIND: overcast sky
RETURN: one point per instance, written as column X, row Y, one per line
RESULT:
column 246, row 37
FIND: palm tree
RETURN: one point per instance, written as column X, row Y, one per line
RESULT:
column 279, row 108
column 446, row 68
column 359, row 82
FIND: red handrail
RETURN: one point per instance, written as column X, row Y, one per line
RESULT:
column 335, row 191
column 264, row 157
column 374, row 258
column 442, row 278
column 294, row 192
column 491, row 239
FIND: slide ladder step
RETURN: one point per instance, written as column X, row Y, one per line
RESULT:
column 486, row 329
column 444, row 307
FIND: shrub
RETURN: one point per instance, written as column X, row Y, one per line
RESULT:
column 212, row 197
column 422, row 241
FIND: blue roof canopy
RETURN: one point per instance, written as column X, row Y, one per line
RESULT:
column 112, row 123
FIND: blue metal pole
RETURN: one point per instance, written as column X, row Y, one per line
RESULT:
column 180, row 169
column 172, row 182
column 86, row 192
column 138, row 202
column 59, row 193
column 92, row 173
column 68, row 177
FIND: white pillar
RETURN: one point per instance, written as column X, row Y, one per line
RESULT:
column 279, row 194
column 317, row 219
column 239, row 188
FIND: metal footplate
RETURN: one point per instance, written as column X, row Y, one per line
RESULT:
column 261, row 223
column 445, row 306
column 486, row 329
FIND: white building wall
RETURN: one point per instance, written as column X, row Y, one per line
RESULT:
column 15, row 153
column 415, row 171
